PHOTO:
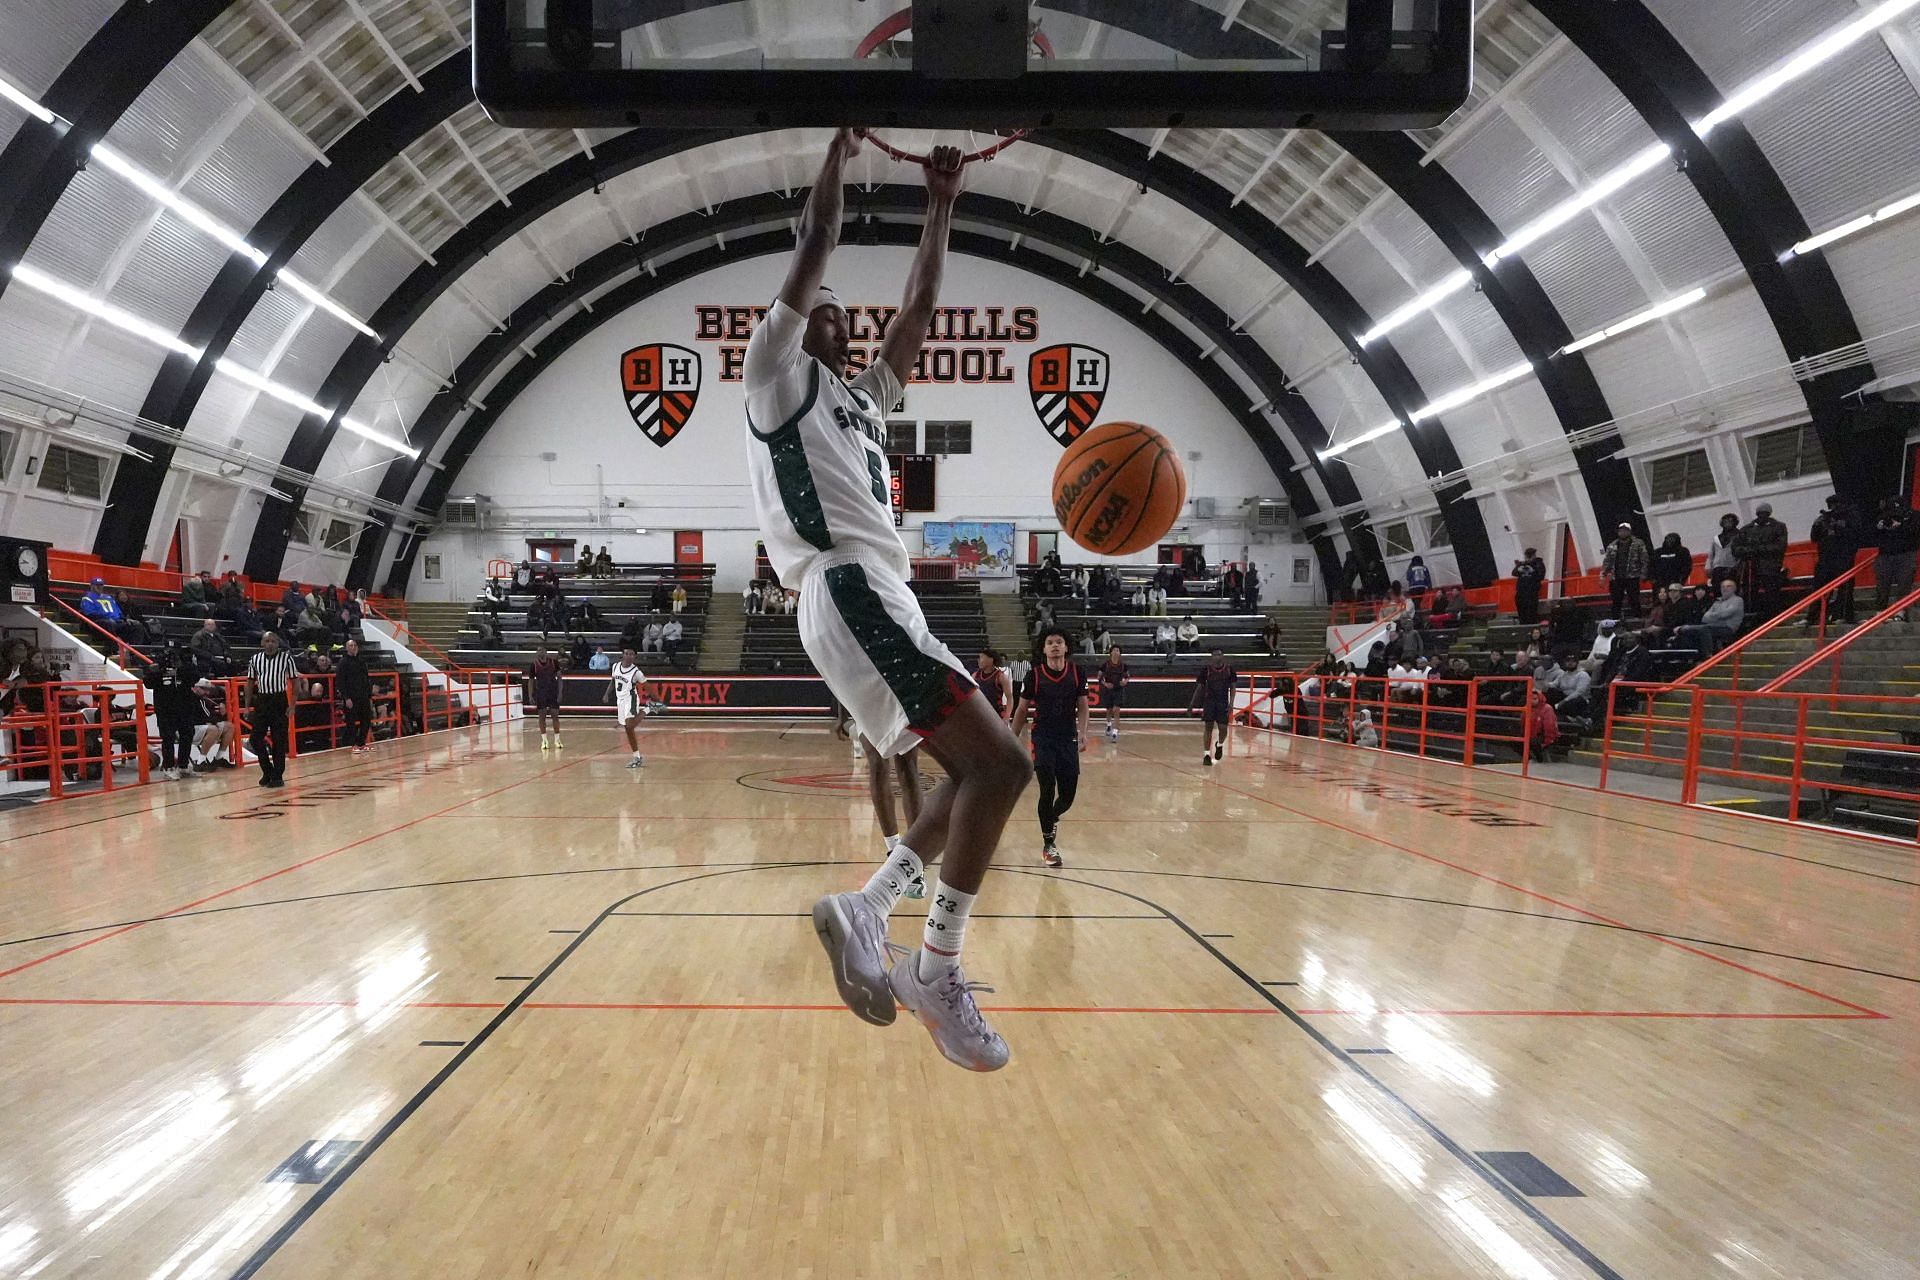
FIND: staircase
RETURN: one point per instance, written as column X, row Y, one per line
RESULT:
column 1885, row 662
column 1303, row 632
column 725, row 635
column 1006, row 624
column 438, row 623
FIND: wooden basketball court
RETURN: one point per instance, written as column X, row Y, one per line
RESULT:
column 462, row 1010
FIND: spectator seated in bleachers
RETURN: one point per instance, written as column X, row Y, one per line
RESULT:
column 523, row 577
column 311, row 628
column 1717, row 626
column 293, row 599
column 670, row 636
column 1603, row 641
column 1545, row 731
column 1188, row 633
column 586, row 616
column 1408, row 682
column 1165, row 638
column 134, row 620
column 495, row 594
column 583, row 568
column 579, row 655
column 488, row 627
column 197, row 594
column 211, row 650
column 1568, row 687
column 650, row 636
column 1449, row 608
column 99, row 605
column 600, row 661
column 603, row 563
column 1271, row 638
column 678, row 600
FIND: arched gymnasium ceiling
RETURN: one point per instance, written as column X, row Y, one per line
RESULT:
column 300, row 198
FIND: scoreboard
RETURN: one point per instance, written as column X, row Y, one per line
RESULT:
column 912, row 483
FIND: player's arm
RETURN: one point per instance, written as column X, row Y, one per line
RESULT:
column 1199, row 687
column 901, row 347
column 1007, row 698
column 1084, row 711
column 819, row 232
column 1020, row 715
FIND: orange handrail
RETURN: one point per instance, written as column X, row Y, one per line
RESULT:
column 416, row 641
column 122, row 646
column 1835, row 647
column 1743, row 643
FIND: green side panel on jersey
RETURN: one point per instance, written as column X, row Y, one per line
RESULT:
column 925, row 687
column 791, row 472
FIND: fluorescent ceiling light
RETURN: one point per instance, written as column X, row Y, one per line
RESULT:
column 80, row 300
column 267, row 386
column 34, row 278
column 326, row 304
column 1581, row 201
column 114, row 162
column 1445, row 404
column 1425, row 302
column 1365, row 437
column 1824, row 49
column 1742, row 99
column 1860, row 223
column 1648, row 316
column 1453, row 400
column 22, row 99
column 366, row 432
column 188, row 212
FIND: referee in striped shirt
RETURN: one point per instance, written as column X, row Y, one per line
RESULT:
column 270, row 690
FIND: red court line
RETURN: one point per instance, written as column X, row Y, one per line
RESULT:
column 84, row 1002
column 271, row 875
column 1521, row 889
column 841, row 818
column 1593, row 1013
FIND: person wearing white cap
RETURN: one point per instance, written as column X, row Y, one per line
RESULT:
column 816, row 449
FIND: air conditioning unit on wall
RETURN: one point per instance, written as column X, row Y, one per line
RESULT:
column 466, row 513
column 1264, row 515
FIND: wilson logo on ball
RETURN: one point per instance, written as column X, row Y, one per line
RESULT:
column 661, row 382
column 1069, row 495
column 1068, row 384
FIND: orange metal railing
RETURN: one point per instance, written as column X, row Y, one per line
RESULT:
column 1731, row 657
column 1834, row 649
column 69, row 732
column 121, row 649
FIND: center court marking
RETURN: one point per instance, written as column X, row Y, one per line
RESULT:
column 308, row 1208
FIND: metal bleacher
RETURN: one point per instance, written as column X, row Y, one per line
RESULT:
column 1236, row 631
column 623, row 600
column 953, row 610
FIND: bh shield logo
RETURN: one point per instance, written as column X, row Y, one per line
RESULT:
column 1068, row 383
column 661, row 383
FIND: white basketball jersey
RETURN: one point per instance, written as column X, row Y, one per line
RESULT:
column 817, row 452
column 626, row 685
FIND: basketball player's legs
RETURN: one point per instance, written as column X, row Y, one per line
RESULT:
column 880, row 791
column 868, row 638
column 631, row 724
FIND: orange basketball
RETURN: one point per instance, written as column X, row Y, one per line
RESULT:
column 1119, row 488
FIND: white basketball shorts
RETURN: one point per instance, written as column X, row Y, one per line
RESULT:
column 868, row 638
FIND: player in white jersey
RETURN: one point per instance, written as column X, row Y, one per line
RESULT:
column 627, row 691
column 817, row 458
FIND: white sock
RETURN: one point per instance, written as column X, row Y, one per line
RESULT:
column 546, row 739
column 946, row 930
column 901, row 869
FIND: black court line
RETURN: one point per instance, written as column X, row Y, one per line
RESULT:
column 786, row 915
column 274, row 1243
column 513, row 977
column 441, row 1044
column 301, row 1215
column 1305, row 886
column 1474, row 1163
column 1425, row 779
column 239, row 787
column 1216, row 935
column 1269, row 982
column 569, row 931
column 1370, row 1051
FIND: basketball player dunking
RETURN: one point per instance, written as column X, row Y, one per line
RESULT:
column 816, row 449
